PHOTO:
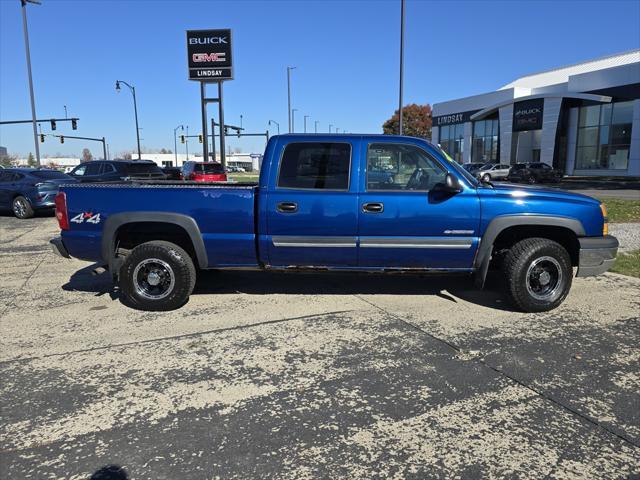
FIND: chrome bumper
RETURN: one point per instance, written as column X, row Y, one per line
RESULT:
column 597, row 255
column 58, row 247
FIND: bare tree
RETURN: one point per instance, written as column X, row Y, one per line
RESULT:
column 86, row 155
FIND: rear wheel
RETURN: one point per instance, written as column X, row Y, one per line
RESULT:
column 531, row 180
column 538, row 274
column 157, row 276
column 21, row 207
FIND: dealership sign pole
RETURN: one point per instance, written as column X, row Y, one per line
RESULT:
column 210, row 61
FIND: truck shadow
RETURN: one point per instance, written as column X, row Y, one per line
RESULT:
column 452, row 288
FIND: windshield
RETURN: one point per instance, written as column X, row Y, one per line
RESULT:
column 50, row 175
column 208, row 168
column 137, row 168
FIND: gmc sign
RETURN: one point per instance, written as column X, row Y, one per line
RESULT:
column 209, row 55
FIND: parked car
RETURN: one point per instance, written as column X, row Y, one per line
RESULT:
column 314, row 209
column 27, row 190
column 493, row 171
column 473, row 168
column 117, row 170
column 534, row 173
column 172, row 173
column 204, row 171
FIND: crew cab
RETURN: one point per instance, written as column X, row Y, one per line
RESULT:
column 375, row 203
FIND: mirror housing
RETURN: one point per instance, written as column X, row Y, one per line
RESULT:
column 450, row 185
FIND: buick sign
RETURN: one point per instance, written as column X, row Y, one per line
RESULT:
column 527, row 115
column 209, row 55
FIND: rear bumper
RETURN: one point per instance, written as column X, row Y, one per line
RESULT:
column 58, row 247
column 597, row 255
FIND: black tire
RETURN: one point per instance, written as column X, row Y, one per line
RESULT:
column 547, row 267
column 21, row 207
column 531, row 180
column 172, row 268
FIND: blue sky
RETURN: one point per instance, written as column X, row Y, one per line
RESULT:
column 346, row 53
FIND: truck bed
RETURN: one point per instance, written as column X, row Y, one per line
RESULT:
column 223, row 212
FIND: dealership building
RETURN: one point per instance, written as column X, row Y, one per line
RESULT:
column 582, row 118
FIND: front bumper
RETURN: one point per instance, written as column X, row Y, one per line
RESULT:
column 597, row 255
column 59, row 248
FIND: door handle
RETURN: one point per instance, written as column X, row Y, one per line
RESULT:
column 373, row 207
column 287, row 207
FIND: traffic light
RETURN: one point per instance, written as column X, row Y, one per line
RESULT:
column 61, row 139
column 238, row 132
column 181, row 138
column 74, row 124
column 42, row 138
column 200, row 138
column 226, row 130
column 53, row 124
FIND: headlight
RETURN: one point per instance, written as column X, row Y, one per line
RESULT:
column 605, row 225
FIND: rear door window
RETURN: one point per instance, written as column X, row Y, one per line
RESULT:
column 93, row 169
column 315, row 165
column 142, row 168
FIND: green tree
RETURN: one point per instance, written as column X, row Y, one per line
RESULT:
column 416, row 121
column 31, row 160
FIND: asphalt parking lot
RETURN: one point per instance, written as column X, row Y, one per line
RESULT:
column 312, row 376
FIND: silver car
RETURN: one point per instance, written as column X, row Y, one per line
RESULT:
column 493, row 171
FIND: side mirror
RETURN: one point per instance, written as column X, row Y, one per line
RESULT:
column 450, row 185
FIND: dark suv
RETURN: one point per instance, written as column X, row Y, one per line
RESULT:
column 534, row 173
column 117, row 170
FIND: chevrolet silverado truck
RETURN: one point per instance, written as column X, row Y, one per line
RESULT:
column 374, row 203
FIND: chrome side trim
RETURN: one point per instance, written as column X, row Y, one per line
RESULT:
column 417, row 242
column 317, row 242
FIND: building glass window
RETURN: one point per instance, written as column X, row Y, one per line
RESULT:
column 452, row 140
column 604, row 136
column 485, row 141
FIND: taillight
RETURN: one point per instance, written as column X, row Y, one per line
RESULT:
column 61, row 211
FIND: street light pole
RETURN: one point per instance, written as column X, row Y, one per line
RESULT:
column 135, row 110
column 330, row 125
column 277, row 125
column 186, row 143
column 175, row 142
column 28, row 52
column 401, row 65
column 293, row 119
column 289, row 97
column 316, row 126
column 305, row 123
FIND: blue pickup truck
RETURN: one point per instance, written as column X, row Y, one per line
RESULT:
column 375, row 203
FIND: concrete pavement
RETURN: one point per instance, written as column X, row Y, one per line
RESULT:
column 306, row 376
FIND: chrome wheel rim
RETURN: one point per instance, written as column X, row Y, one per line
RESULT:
column 544, row 279
column 153, row 279
column 19, row 208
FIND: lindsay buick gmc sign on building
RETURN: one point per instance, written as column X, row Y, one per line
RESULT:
column 209, row 54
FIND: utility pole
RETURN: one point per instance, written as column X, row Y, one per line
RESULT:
column 186, row 142
column 293, row 120
column 289, row 97
column 330, row 125
column 316, row 126
column 305, row 123
column 28, row 52
column 175, row 142
column 401, row 64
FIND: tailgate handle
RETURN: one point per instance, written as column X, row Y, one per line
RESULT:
column 287, row 207
column 373, row 207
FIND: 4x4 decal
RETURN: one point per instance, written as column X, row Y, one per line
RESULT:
column 87, row 217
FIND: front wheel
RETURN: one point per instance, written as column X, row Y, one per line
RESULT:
column 538, row 273
column 157, row 276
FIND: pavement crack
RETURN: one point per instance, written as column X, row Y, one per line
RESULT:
column 473, row 358
column 174, row 337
